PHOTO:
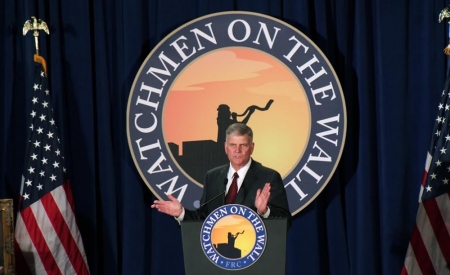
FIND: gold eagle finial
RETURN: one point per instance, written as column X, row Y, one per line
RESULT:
column 35, row 25
column 444, row 14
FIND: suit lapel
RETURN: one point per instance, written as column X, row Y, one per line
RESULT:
column 221, row 184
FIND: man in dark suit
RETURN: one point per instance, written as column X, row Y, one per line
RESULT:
column 256, row 186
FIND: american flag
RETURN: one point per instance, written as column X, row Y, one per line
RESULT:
column 429, row 246
column 46, row 231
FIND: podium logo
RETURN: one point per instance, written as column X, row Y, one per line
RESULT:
column 235, row 67
column 233, row 237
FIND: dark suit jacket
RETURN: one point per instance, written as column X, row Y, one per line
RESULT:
column 257, row 175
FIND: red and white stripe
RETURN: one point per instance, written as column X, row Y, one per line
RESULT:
column 429, row 246
column 48, row 237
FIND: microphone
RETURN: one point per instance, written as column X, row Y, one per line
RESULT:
column 225, row 181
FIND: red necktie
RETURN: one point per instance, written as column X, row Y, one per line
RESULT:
column 232, row 191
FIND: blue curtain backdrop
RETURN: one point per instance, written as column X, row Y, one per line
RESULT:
column 387, row 55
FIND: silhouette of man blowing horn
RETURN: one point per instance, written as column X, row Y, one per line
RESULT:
column 225, row 118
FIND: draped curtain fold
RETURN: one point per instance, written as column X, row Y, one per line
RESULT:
column 387, row 55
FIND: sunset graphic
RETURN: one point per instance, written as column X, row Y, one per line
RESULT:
column 239, row 78
column 235, row 225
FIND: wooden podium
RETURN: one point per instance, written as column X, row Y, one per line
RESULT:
column 272, row 261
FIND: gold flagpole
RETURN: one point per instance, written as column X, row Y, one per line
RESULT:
column 36, row 25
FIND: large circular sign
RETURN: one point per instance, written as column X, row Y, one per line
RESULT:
column 236, row 67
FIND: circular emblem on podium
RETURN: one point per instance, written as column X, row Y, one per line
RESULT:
column 232, row 67
column 233, row 237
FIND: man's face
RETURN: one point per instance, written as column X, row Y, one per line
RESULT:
column 238, row 149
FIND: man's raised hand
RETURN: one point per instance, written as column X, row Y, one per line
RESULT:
column 171, row 207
